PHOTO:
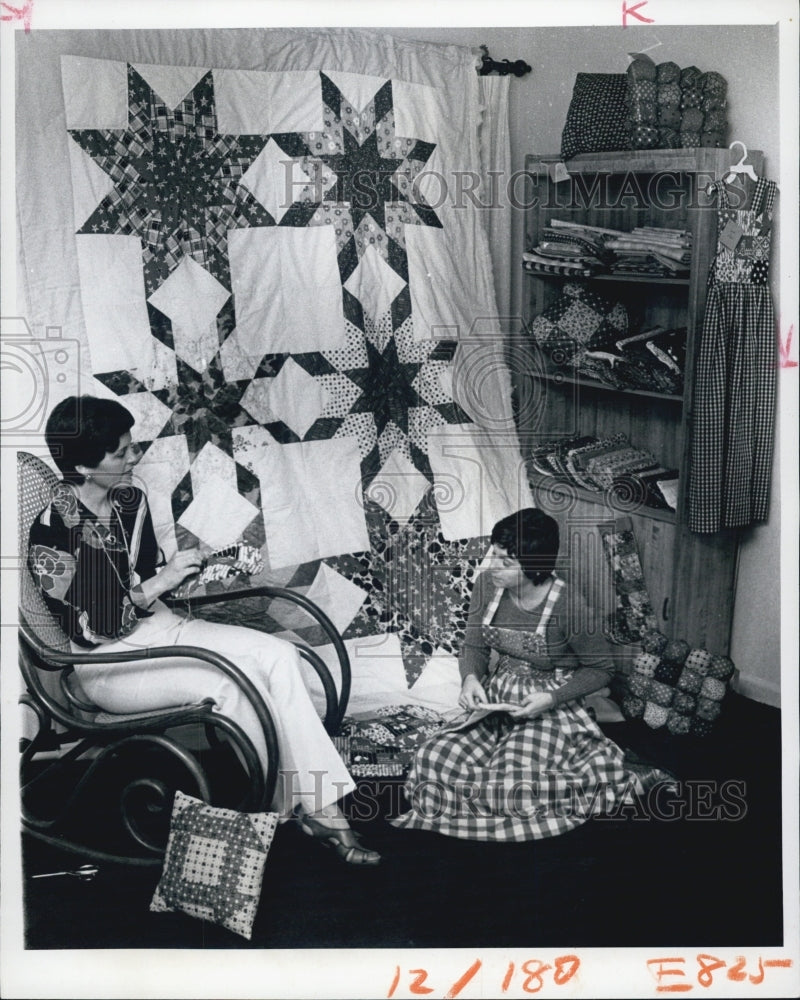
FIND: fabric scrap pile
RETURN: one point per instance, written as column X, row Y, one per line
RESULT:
column 382, row 744
column 653, row 360
column 671, row 108
column 674, row 686
column 582, row 251
column 610, row 465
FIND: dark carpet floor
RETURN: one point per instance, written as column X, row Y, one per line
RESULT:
column 694, row 877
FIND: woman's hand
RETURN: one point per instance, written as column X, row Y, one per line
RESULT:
column 472, row 693
column 183, row 563
column 536, row 703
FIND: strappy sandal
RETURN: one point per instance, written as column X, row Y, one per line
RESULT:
column 329, row 836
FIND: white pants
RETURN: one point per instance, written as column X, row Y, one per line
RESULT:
column 311, row 772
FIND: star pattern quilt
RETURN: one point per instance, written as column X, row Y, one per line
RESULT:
column 277, row 280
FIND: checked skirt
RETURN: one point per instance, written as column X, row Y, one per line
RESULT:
column 510, row 780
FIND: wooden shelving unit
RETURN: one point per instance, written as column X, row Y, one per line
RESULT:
column 690, row 577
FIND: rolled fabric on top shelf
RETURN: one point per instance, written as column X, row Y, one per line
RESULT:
column 686, row 106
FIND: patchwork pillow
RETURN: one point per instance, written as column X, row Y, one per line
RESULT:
column 579, row 320
column 214, row 863
column 597, row 118
column 676, row 687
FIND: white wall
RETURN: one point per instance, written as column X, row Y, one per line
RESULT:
column 747, row 56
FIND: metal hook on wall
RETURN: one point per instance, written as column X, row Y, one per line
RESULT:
column 503, row 68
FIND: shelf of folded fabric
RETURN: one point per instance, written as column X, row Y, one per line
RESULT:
column 643, row 253
column 608, row 471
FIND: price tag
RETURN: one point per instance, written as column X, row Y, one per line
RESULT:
column 730, row 235
column 559, row 172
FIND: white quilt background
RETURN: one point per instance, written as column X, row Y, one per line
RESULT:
column 303, row 316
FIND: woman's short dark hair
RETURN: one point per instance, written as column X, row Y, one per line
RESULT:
column 81, row 430
column 531, row 537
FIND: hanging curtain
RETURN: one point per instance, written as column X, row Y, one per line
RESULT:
column 495, row 146
column 254, row 246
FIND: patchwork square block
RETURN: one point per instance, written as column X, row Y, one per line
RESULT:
column 214, row 863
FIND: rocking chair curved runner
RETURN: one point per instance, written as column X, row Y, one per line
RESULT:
column 72, row 730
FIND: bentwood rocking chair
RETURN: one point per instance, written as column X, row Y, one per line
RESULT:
column 129, row 766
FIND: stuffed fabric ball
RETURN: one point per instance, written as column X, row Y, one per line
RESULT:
column 669, row 116
column 655, row 715
column 654, row 642
column 678, row 723
column 645, row 664
column 691, row 97
column 711, row 140
column 667, row 673
column 669, row 94
column 700, row 727
column 632, row 707
column 715, row 120
column 661, row 694
column 668, row 72
column 684, row 702
column 639, row 685
column 642, row 69
column 714, row 85
column 692, row 120
column 713, row 688
column 708, row 709
column 690, row 77
column 720, row 667
column 645, row 136
column 690, row 681
column 699, row 661
column 676, row 651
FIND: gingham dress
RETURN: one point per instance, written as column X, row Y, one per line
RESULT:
column 735, row 380
column 513, row 780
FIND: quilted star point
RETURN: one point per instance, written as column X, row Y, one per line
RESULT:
column 176, row 180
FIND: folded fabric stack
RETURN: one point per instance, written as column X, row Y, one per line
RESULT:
column 580, row 250
column 652, row 249
column 675, row 686
column 572, row 250
column 610, row 465
column 671, row 108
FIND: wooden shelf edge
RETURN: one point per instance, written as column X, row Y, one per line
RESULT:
column 643, row 279
column 606, row 499
column 556, row 378
column 641, row 160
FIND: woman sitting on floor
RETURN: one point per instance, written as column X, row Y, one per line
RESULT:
column 538, row 765
column 105, row 590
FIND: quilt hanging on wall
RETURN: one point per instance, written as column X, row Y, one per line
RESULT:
column 277, row 280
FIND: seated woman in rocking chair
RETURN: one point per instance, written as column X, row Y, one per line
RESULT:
column 94, row 554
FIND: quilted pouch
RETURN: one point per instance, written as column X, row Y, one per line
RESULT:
column 597, row 115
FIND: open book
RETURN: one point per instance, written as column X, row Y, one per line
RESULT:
column 463, row 718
